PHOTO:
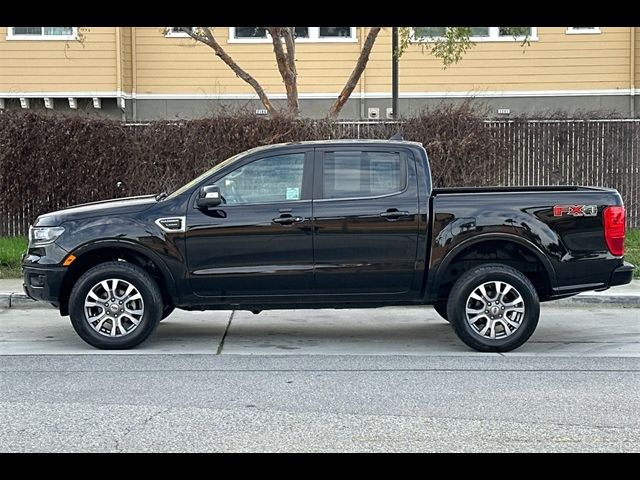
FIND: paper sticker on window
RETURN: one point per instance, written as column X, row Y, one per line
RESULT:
column 293, row 193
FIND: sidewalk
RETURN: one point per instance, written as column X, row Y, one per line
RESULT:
column 12, row 296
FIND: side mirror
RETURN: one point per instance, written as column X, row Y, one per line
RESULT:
column 209, row 197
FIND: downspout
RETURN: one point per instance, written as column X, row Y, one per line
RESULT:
column 362, row 77
column 632, row 73
column 119, row 71
column 134, row 76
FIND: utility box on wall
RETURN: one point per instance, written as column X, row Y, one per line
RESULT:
column 373, row 113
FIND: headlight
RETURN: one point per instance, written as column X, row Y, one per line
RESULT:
column 43, row 235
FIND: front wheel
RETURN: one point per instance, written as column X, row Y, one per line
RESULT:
column 493, row 308
column 115, row 305
column 441, row 309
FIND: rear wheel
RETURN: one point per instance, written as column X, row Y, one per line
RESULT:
column 493, row 308
column 115, row 305
column 168, row 310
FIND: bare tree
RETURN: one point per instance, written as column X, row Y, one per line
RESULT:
column 361, row 64
column 205, row 35
column 450, row 47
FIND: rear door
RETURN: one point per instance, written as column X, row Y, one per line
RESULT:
column 366, row 221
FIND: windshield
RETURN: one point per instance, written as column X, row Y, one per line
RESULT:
column 199, row 179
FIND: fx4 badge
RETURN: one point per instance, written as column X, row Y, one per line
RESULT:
column 575, row 210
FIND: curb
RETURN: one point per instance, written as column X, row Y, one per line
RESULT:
column 624, row 301
column 21, row 301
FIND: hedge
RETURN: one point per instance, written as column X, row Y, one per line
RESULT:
column 51, row 161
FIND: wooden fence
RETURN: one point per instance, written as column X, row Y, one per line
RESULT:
column 604, row 153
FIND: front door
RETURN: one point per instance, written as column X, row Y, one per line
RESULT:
column 366, row 222
column 259, row 240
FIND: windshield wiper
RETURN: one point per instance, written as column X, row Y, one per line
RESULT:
column 161, row 196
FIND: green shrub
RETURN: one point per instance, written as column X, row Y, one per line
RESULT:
column 11, row 249
column 632, row 249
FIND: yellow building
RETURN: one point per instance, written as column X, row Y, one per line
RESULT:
column 142, row 73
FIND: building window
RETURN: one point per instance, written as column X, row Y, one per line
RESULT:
column 480, row 31
column 334, row 32
column 582, row 30
column 303, row 34
column 428, row 32
column 42, row 33
column 514, row 32
column 178, row 32
column 480, row 34
column 244, row 33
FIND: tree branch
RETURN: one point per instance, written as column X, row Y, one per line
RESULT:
column 209, row 39
column 361, row 64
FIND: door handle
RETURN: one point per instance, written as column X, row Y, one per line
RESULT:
column 394, row 214
column 288, row 220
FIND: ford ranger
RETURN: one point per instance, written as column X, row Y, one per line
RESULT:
column 327, row 224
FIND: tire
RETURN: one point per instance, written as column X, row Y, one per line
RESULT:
column 168, row 310
column 90, row 296
column 514, row 311
column 441, row 309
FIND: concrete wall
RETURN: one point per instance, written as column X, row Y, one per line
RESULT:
column 183, row 109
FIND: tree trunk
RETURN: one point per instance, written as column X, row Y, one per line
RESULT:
column 285, row 61
column 209, row 39
column 290, row 42
column 363, row 59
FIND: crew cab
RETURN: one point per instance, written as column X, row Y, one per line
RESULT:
column 327, row 224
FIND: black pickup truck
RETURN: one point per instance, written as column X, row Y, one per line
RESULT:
column 327, row 224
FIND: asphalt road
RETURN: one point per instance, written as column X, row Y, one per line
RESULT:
column 353, row 380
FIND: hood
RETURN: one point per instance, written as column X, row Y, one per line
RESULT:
column 118, row 206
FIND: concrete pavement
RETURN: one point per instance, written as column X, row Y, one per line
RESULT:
column 311, row 403
column 389, row 379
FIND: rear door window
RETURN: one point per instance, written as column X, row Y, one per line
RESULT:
column 354, row 173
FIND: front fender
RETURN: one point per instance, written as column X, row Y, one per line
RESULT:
column 127, row 244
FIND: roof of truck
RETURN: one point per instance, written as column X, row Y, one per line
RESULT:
column 336, row 142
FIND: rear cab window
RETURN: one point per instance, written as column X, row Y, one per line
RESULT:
column 362, row 173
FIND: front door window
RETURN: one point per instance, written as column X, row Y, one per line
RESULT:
column 268, row 180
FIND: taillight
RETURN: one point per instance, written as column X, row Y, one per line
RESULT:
column 614, row 229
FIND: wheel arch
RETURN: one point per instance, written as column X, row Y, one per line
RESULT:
column 544, row 284
column 94, row 253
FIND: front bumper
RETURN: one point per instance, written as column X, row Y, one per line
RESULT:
column 44, row 283
column 622, row 275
